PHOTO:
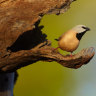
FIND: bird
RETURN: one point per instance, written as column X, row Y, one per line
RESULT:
column 70, row 40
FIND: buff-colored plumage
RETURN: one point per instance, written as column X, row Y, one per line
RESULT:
column 69, row 41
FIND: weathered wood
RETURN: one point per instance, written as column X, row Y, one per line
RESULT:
column 22, row 42
column 20, row 34
column 46, row 53
column 19, row 16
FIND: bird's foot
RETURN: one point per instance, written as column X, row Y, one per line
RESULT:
column 71, row 54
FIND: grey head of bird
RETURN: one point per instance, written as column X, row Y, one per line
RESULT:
column 81, row 30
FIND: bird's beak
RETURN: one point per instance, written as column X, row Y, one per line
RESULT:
column 87, row 29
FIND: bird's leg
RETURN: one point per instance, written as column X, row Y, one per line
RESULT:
column 71, row 54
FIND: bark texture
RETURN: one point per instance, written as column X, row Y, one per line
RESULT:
column 21, row 39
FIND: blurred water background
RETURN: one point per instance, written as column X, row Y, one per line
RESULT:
column 52, row 79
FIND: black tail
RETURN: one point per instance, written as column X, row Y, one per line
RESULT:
column 56, row 39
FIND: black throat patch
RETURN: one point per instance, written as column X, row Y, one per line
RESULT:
column 79, row 35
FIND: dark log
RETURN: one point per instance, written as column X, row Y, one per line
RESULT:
column 6, row 84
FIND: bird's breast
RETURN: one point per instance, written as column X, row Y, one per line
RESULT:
column 68, row 42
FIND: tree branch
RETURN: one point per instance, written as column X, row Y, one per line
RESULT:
column 46, row 53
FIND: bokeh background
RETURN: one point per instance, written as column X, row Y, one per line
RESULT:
column 52, row 79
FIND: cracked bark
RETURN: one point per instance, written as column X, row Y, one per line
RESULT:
column 22, row 41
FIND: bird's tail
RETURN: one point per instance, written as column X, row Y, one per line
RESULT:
column 56, row 39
